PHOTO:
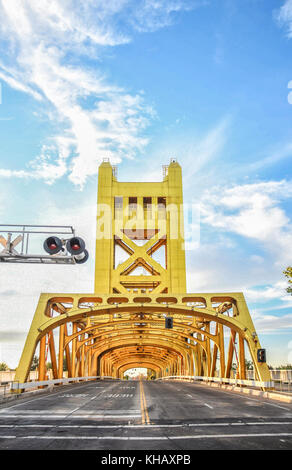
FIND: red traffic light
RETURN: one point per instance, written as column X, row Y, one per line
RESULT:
column 75, row 245
column 52, row 245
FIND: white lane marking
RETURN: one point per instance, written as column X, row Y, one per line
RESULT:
column 136, row 415
column 189, row 395
column 76, row 395
column 135, row 426
column 75, row 409
column 41, row 398
column 277, row 406
column 209, row 406
column 151, row 438
column 254, row 399
column 118, row 395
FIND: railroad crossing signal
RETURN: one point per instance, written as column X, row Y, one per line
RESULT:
column 10, row 244
column 168, row 322
column 261, row 355
column 68, row 250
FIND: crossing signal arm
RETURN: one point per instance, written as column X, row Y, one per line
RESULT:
column 65, row 248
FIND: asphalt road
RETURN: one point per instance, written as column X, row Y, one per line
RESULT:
column 131, row 415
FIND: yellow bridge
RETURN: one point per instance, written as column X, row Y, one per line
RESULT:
column 140, row 280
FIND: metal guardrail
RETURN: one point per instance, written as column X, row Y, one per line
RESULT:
column 5, row 388
column 42, row 383
column 252, row 383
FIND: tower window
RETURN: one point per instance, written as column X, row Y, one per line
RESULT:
column 132, row 205
column 147, row 203
column 118, row 205
column 161, row 201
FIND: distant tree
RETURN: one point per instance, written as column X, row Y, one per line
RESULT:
column 3, row 366
column 288, row 274
column 35, row 363
column 248, row 365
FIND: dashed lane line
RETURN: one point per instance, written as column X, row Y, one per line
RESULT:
column 144, row 426
column 46, row 396
column 85, row 416
column 150, row 438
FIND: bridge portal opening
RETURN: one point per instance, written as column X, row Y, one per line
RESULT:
column 136, row 373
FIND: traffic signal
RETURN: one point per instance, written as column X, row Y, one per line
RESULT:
column 261, row 355
column 168, row 322
column 76, row 247
column 53, row 245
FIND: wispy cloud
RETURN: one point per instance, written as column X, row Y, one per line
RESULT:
column 150, row 15
column 281, row 153
column 202, row 151
column 283, row 16
column 47, row 42
column 272, row 292
column 252, row 211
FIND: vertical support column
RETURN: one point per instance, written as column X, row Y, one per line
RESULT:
column 230, row 353
column 104, row 236
column 42, row 359
column 221, row 350
column 82, row 359
column 208, row 351
column 74, row 342
column 215, row 353
column 89, row 357
column 241, row 358
column 175, row 240
column 53, row 354
column 61, row 351
column 68, row 355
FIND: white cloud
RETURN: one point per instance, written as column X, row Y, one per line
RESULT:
column 276, row 291
column 47, row 44
column 252, row 211
column 150, row 15
column 284, row 16
column 272, row 323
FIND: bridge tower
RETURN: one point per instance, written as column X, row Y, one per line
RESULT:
column 140, row 219
column 140, row 282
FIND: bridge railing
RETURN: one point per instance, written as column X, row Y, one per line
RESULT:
column 43, row 383
column 221, row 380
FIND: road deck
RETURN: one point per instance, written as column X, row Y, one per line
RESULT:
column 132, row 415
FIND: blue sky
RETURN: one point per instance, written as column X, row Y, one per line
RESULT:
column 140, row 82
